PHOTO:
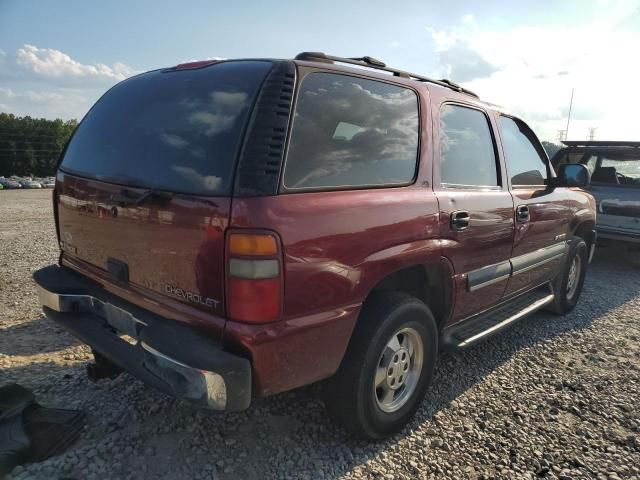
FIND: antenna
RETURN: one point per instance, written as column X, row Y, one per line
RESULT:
column 569, row 116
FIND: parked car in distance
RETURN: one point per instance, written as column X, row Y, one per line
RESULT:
column 614, row 167
column 254, row 226
column 9, row 183
column 30, row 184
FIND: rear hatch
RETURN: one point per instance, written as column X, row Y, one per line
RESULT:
column 143, row 191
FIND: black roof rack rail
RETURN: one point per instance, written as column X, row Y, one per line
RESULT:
column 600, row 143
column 380, row 65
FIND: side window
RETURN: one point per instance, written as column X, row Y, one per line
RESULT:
column 467, row 154
column 525, row 164
column 351, row 132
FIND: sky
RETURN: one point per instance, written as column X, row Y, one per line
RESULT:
column 57, row 58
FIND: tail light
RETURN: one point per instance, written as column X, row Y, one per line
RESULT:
column 254, row 277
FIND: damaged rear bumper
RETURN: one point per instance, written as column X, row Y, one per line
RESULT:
column 169, row 355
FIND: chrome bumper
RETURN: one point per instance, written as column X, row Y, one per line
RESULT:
column 169, row 355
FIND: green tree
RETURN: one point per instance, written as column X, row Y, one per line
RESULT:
column 31, row 146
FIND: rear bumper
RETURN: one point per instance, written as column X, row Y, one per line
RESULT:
column 168, row 355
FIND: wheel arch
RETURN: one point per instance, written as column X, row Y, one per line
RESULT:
column 586, row 230
column 430, row 282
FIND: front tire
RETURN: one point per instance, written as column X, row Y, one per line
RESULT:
column 568, row 284
column 387, row 369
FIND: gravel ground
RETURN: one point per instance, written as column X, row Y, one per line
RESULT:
column 552, row 397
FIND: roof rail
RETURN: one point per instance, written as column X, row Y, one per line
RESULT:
column 374, row 63
column 600, row 143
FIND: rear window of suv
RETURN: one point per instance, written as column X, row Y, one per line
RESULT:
column 177, row 130
column 351, row 132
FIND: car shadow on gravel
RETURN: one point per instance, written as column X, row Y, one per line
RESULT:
column 290, row 434
column 34, row 337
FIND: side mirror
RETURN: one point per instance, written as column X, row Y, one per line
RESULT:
column 571, row 175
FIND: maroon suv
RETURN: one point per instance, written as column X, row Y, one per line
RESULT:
column 244, row 227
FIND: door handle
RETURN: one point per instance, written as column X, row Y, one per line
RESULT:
column 459, row 220
column 522, row 214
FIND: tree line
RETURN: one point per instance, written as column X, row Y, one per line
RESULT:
column 31, row 146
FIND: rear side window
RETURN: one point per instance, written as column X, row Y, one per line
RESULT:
column 351, row 132
column 525, row 163
column 169, row 130
column 467, row 152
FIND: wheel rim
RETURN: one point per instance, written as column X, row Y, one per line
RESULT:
column 398, row 370
column 574, row 277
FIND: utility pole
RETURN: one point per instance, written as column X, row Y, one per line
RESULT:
column 592, row 133
column 569, row 116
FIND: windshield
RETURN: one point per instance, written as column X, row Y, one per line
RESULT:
column 177, row 130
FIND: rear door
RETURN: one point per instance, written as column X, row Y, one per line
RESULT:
column 541, row 214
column 476, row 208
column 144, row 186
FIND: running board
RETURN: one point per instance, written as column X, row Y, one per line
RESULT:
column 485, row 324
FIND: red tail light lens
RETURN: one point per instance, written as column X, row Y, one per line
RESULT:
column 254, row 279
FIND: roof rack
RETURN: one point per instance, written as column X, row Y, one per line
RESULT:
column 600, row 143
column 374, row 63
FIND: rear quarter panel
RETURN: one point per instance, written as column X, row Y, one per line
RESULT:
column 337, row 246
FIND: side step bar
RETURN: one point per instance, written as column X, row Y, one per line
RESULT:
column 485, row 324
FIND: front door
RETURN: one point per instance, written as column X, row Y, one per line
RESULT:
column 476, row 208
column 541, row 214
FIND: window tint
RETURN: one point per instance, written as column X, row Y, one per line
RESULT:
column 349, row 131
column 173, row 130
column 525, row 165
column 467, row 154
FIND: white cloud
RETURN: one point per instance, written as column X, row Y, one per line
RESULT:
column 6, row 93
column 468, row 19
column 535, row 68
column 64, row 103
column 50, row 83
column 54, row 63
column 459, row 60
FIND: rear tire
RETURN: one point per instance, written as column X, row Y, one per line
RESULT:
column 387, row 369
column 567, row 286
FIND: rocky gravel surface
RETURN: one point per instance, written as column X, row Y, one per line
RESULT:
column 552, row 397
